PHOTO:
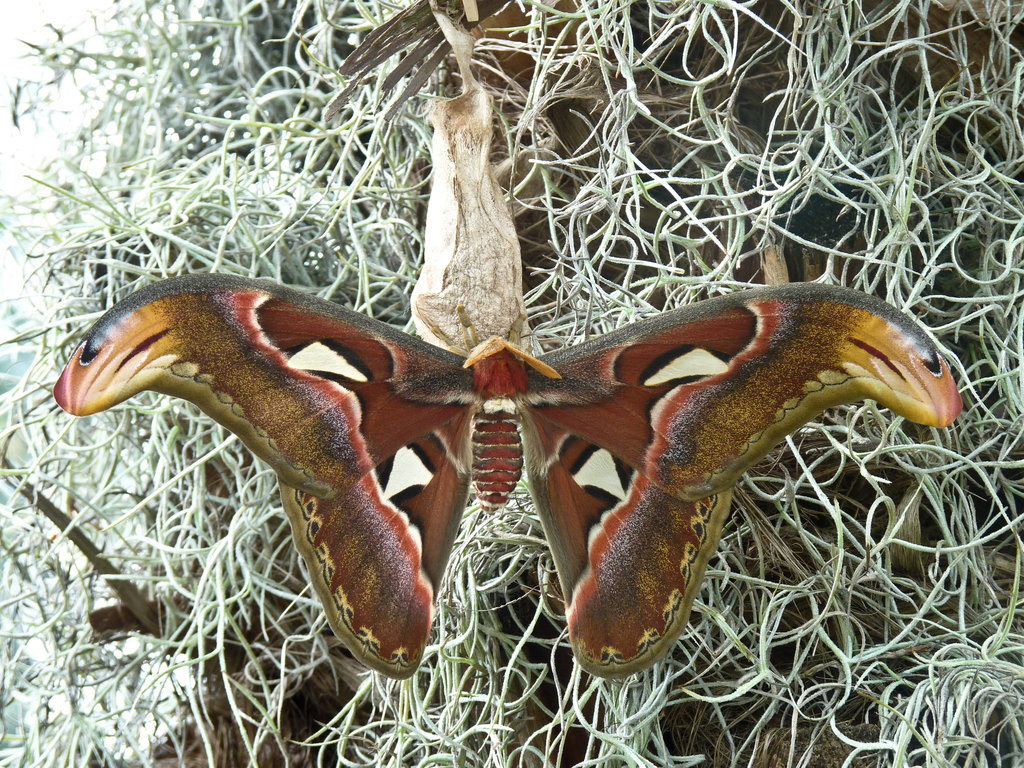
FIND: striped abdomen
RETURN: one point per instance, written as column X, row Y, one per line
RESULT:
column 497, row 452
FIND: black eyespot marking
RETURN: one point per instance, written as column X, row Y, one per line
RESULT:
column 933, row 363
column 384, row 472
column 89, row 351
column 625, row 473
column 608, row 500
column 700, row 529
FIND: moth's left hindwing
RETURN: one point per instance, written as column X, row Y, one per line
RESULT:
column 366, row 427
column 630, row 556
column 632, row 453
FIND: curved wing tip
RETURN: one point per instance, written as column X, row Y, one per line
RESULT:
column 943, row 399
column 65, row 389
column 953, row 402
column 62, row 393
column 74, row 391
column 950, row 408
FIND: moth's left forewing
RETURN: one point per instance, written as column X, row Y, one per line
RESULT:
column 694, row 397
column 320, row 393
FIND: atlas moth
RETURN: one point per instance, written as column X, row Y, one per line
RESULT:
column 632, row 441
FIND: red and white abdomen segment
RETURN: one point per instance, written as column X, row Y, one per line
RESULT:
column 497, row 452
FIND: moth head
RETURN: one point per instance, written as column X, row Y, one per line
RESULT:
column 901, row 369
column 499, row 368
column 124, row 354
column 497, row 346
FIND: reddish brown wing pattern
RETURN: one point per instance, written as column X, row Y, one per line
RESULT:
column 321, row 393
column 693, row 397
column 631, row 454
column 634, row 555
column 622, row 619
column 378, row 552
column 367, row 428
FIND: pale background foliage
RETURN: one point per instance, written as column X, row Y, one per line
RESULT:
column 862, row 605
